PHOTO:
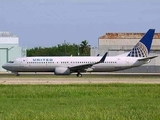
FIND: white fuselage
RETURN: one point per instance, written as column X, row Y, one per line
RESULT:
column 48, row 64
column 67, row 65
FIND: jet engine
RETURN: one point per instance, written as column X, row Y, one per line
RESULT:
column 62, row 71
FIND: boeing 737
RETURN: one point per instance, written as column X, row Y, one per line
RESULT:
column 66, row 65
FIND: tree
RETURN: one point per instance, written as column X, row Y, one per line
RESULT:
column 84, row 48
column 61, row 50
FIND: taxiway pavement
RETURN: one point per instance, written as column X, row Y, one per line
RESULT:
column 102, row 78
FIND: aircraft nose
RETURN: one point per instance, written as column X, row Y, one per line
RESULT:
column 5, row 66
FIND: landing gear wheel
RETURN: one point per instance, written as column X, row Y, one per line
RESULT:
column 17, row 74
column 79, row 75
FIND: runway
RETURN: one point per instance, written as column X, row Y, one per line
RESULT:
column 33, row 79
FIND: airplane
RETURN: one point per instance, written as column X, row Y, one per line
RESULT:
column 66, row 65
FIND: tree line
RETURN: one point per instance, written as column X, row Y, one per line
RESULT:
column 64, row 49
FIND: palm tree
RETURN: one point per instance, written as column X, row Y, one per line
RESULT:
column 84, row 48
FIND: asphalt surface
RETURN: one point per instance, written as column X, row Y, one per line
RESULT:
column 105, row 78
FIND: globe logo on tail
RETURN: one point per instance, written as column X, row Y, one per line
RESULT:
column 140, row 50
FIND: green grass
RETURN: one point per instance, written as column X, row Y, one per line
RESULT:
column 80, row 102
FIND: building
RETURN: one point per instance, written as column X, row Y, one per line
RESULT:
column 119, row 43
column 9, row 48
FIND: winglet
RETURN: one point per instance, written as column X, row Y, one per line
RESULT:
column 103, row 58
column 98, row 54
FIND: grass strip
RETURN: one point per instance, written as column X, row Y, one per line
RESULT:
column 87, row 102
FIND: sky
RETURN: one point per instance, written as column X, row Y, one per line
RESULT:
column 48, row 23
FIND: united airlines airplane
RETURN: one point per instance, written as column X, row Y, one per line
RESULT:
column 66, row 65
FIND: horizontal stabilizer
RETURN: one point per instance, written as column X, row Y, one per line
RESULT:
column 147, row 58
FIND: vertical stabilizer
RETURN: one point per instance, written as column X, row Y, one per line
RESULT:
column 142, row 48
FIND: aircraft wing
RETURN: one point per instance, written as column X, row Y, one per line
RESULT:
column 147, row 58
column 80, row 67
column 86, row 66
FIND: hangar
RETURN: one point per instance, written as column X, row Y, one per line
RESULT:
column 9, row 48
column 119, row 43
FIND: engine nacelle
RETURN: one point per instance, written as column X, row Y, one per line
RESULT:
column 62, row 71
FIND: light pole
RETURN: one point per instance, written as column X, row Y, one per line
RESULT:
column 78, row 50
column 64, row 47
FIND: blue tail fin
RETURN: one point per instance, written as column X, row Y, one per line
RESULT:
column 142, row 48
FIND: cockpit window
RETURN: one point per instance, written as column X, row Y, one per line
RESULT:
column 11, row 62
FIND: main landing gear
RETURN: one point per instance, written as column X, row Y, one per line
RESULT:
column 17, row 74
column 79, row 74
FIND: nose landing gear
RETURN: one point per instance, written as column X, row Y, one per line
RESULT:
column 16, row 73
